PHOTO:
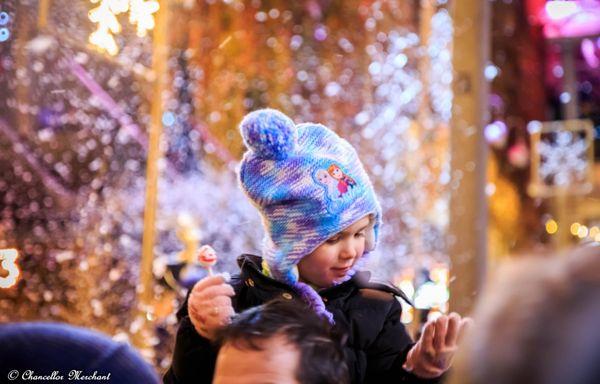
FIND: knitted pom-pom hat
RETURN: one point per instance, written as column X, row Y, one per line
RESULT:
column 308, row 184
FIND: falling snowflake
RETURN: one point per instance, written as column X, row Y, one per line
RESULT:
column 563, row 160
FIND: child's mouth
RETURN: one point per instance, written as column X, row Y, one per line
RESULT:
column 341, row 271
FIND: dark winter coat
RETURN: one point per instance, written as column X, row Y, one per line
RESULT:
column 368, row 313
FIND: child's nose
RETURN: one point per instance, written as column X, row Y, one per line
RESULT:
column 348, row 251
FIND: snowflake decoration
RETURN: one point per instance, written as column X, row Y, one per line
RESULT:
column 564, row 160
column 108, row 24
column 140, row 14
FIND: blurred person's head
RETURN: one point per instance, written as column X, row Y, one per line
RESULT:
column 47, row 352
column 537, row 322
column 279, row 342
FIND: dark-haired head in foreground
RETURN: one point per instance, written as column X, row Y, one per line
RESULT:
column 279, row 342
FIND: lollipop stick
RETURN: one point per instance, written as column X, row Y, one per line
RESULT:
column 210, row 272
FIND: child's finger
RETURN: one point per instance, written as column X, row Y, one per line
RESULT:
column 441, row 326
column 452, row 333
column 195, row 302
column 220, row 317
column 464, row 326
column 196, row 317
column 201, row 300
column 427, row 337
column 215, row 290
column 216, row 323
column 194, row 313
column 226, row 314
column 220, row 301
column 207, row 282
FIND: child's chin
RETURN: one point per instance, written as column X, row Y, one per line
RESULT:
column 336, row 281
column 331, row 281
column 327, row 283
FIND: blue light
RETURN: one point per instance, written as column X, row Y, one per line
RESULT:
column 4, row 18
column 490, row 72
column 168, row 119
column 4, row 34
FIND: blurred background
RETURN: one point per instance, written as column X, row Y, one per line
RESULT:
column 477, row 121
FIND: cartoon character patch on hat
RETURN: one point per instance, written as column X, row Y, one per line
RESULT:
column 344, row 181
column 325, row 179
column 337, row 184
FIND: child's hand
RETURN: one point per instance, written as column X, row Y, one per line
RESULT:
column 209, row 305
column 432, row 354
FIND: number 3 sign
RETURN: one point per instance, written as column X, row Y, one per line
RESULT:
column 8, row 258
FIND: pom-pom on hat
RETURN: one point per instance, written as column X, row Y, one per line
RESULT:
column 307, row 183
column 269, row 134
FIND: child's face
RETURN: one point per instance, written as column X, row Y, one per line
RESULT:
column 332, row 260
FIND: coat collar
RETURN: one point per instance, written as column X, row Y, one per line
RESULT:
column 250, row 266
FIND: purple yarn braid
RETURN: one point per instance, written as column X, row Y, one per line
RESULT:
column 312, row 298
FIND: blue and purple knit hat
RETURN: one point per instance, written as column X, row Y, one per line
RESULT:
column 308, row 184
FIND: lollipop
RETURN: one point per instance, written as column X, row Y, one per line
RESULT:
column 207, row 257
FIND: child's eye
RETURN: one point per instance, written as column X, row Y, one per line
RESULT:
column 333, row 240
column 359, row 234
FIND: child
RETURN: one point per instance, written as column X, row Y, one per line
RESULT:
column 315, row 236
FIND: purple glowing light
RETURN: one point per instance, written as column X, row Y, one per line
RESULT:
column 496, row 133
column 571, row 19
column 320, row 33
column 588, row 51
column 559, row 10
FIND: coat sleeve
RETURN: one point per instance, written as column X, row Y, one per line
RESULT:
column 194, row 356
column 387, row 353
